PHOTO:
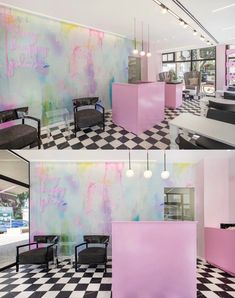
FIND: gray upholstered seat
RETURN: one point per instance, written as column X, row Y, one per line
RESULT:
column 18, row 136
column 95, row 251
column 37, row 255
column 88, row 117
column 84, row 117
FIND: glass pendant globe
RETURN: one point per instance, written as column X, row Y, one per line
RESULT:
column 165, row 175
column 135, row 52
column 148, row 174
column 129, row 173
column 149, row 54
column 142, row 53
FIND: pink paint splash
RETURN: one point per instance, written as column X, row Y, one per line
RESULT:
column 90, row 193
column 91, row 74
column 74, row 66
column 98, row 34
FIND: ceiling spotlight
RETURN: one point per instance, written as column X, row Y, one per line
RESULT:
column 182, row 22
column 130, row 173
column 202, row 38
column 148, row 174
column 208, row 43
column 164, row 9
column 195, row 33
column 185, row 25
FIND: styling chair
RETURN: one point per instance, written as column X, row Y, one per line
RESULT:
column 186, row 144
column 17, row 136
column 221, row 106
column 193, row 82
column 94, row 253
column 87, row 113
column 40, row 254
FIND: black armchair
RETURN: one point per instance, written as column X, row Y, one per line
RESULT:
column 38, row 255
column 88, row 117
column 185, row 144
column 95, row 252
column 18, row 136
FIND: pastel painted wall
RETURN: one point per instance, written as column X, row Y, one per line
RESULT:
column 232, row 199
column 74, row 199
column 216, row 192
column 44, row 64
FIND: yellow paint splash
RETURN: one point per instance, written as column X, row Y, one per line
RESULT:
column 182, row 167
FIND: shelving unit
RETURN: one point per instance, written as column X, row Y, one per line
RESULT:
column 230, row 67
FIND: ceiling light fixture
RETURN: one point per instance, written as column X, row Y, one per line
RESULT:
column 195, row 33
column 148, row 174
column 185, row 25
column 182, row 22
column 142, row 53
column 222, row 8
column 149, row 53
column 202, row 38
column 164, row 9
column 130, row 173
column 165, row 174
column 135, row 51
column 208, row 43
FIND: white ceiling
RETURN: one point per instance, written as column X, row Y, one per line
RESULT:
column 173, row 156
column 118, row 17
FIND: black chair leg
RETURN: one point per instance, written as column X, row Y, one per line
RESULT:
column 17, row 267
column 47, row 266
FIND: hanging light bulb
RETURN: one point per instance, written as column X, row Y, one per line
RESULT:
column 164, row 9
column 195, row 33
column 135, row 51
column 148, row 174
column 148, row 53
column 185, row 25
column 165, row 174
column 130, row 173
column 142, row 53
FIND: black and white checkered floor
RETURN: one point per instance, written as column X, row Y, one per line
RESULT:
column 115, row 137
column 92, row 282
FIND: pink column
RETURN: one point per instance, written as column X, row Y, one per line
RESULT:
column 154, row 259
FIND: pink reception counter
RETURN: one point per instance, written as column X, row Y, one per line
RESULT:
column 220, row 248
column 138, row 107
column 154, row 259
column 174, row 95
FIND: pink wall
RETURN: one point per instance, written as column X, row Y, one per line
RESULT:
column 154, row 259
column 232, row 199
column 199, row 207
column 154, row 66
column 216, row 192
column 220, row 67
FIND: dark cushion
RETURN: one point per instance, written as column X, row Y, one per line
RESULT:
column 88, row 117
column 92, row 255
column 36, row 256
column 96, row 238
column 17, row 136
column 229, row 95
column 85, row 101
column 212, row 144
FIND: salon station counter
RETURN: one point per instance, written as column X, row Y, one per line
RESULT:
column 154, row 259
column 220, row 248
column 138, row 107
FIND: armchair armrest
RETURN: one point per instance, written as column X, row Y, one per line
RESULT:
column 34, row 119
column 77, row 246
column 100, row 106
column 24, row 245
column 48, row 248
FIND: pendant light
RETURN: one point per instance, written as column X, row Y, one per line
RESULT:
column 130, row 173
column 135, row 51
column 142, row 53
column 148, row 174
column 165, row 174
column 149, row 53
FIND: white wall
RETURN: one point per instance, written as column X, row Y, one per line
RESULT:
column 216, row 192
column 232, row 199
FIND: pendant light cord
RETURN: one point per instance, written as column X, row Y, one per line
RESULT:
column 147, row 160
column 129, row 159
column 164, row 160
